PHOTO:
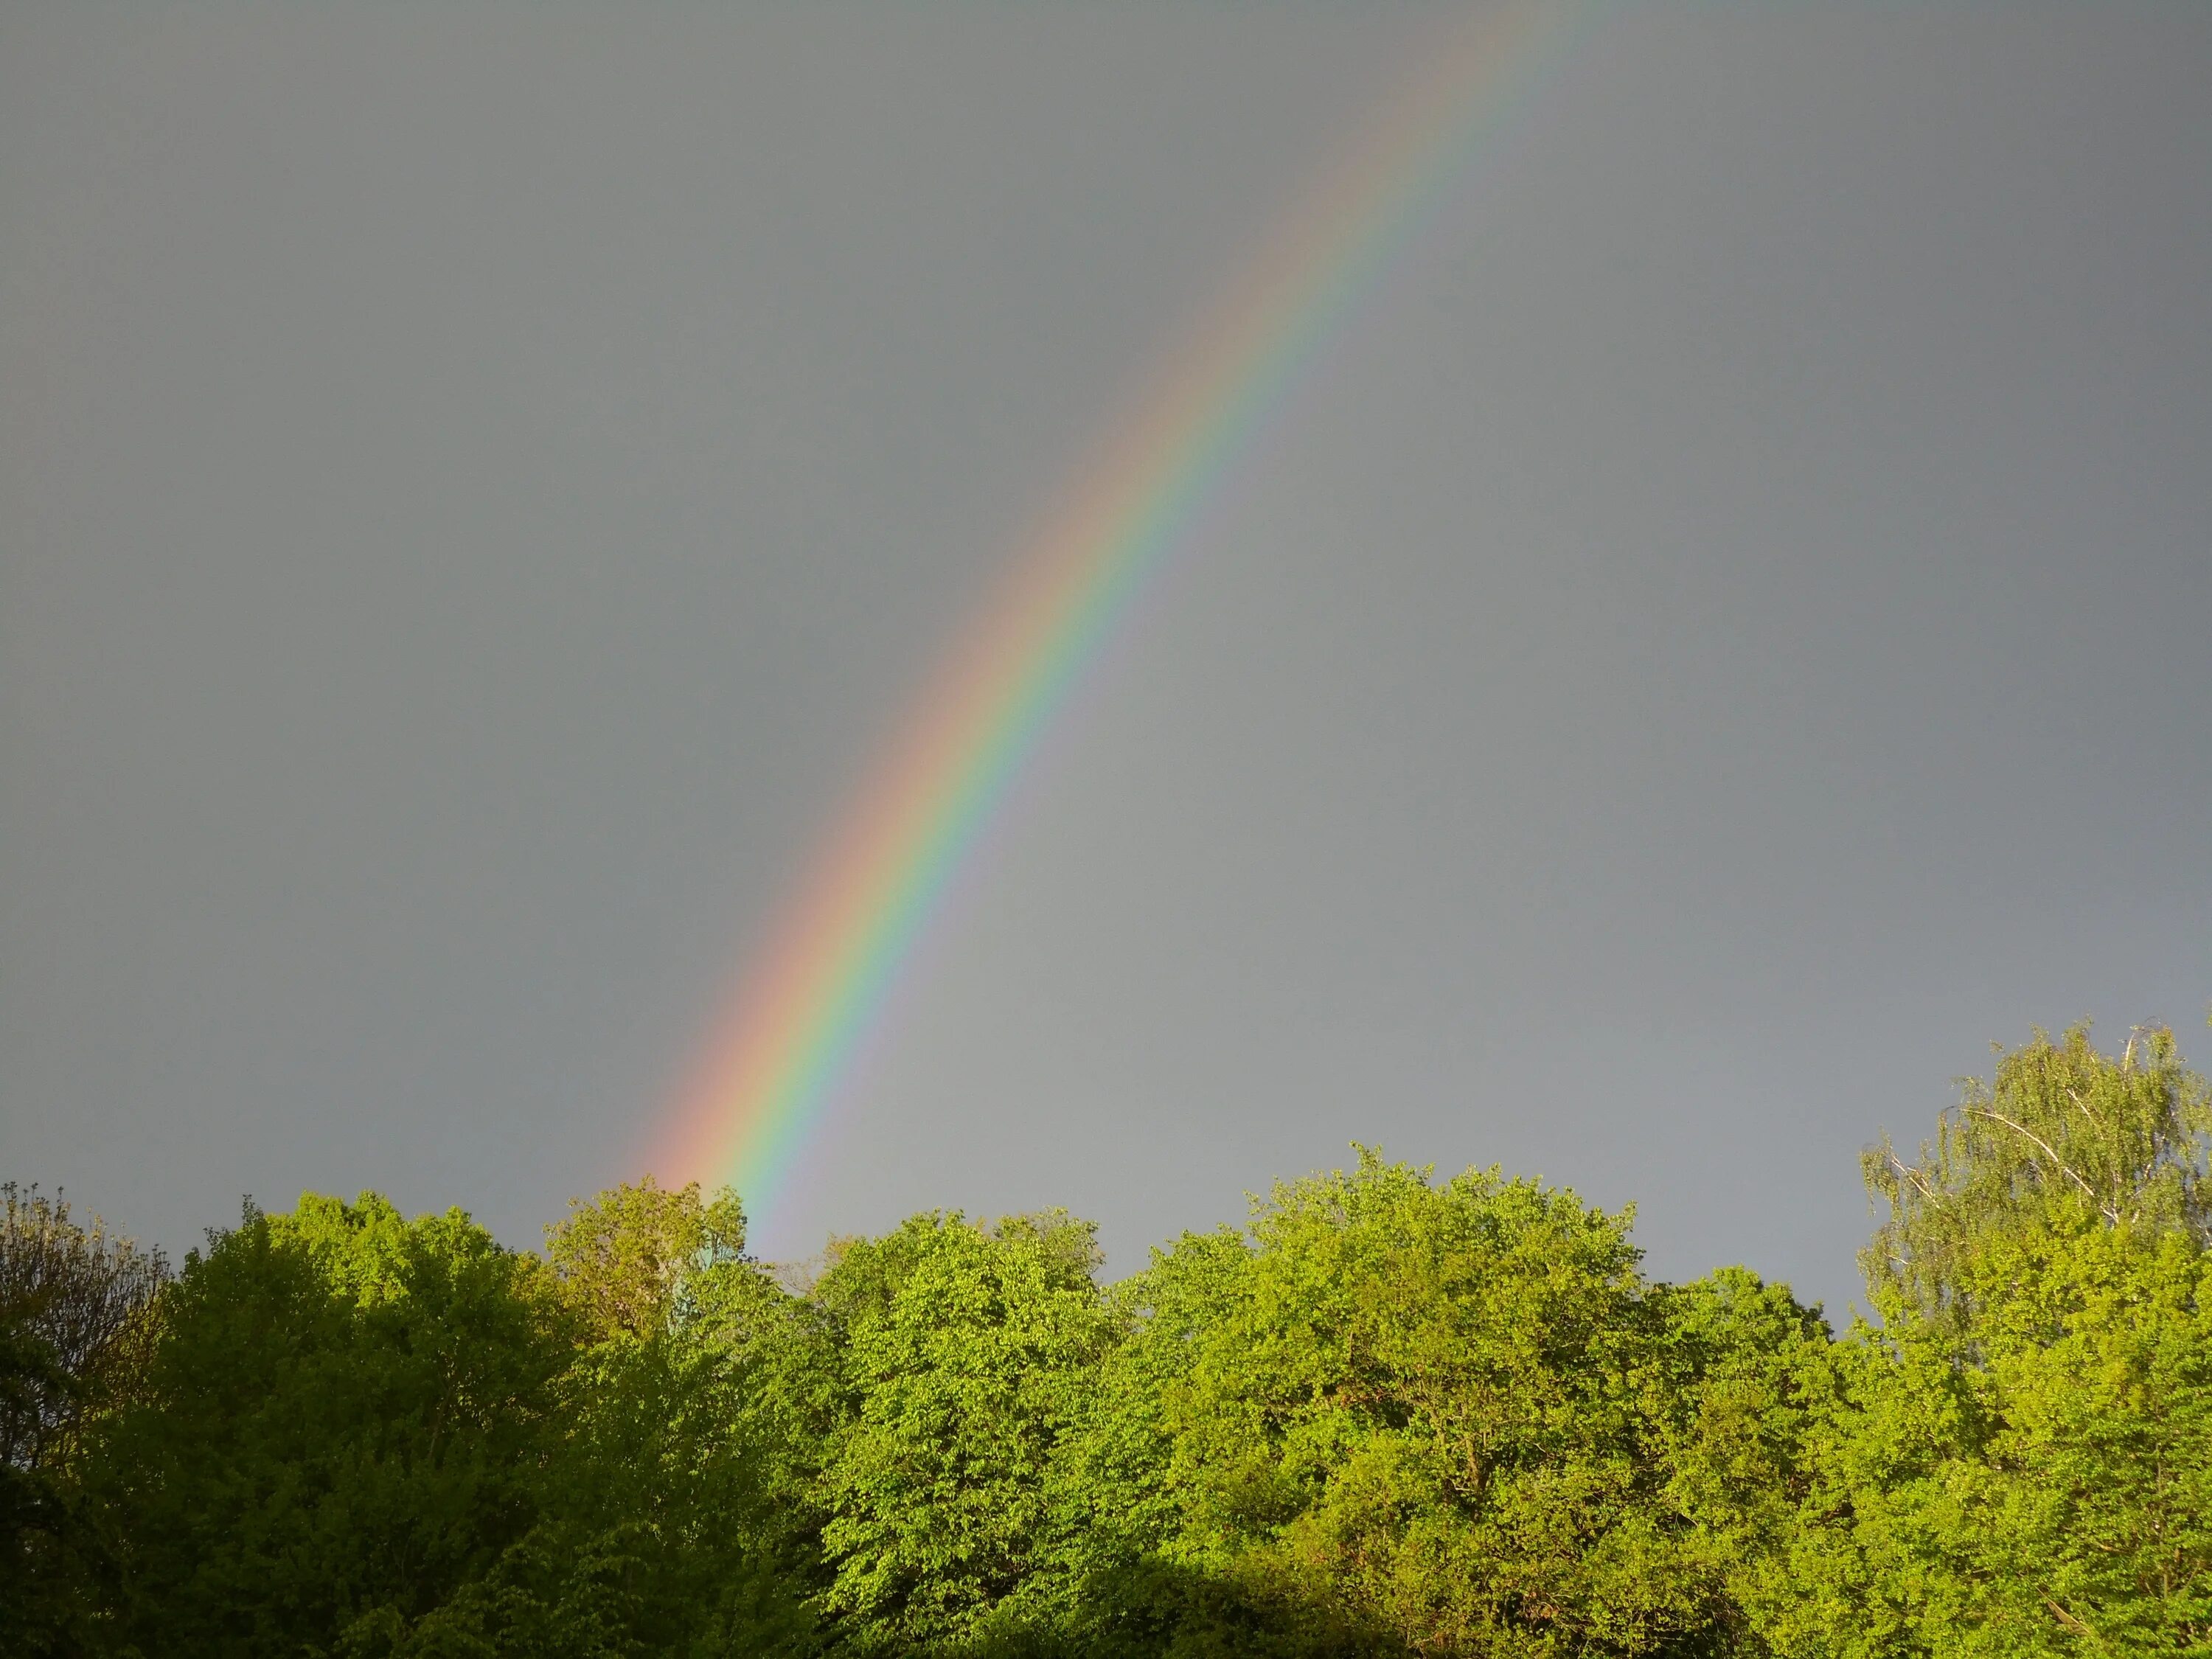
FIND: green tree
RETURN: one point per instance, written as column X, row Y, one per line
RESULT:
column 341, row 1423
column 962, row 1354
column 2061, row 1135
column 2018, row 1461
column 74, row 1301
column 654, row 1531
column 1409, row 1415
column 1391, row 1415
column 1741, row 1381
column 626, row 1258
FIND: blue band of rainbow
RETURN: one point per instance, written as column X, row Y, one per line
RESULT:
column 811, row 997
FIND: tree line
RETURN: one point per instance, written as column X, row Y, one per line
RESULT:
column 1390, row 1413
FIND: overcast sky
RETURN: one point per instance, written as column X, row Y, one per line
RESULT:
column 1720, row 637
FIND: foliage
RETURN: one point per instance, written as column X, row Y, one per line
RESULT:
column 336, row 1429
column 1417, row 1415
column 1392, row 1414
column 2060, row 1126
column 2020, row 1460
column 624, row 1259
column 73, row 1302
column 70, row 1297
column 963, row 1355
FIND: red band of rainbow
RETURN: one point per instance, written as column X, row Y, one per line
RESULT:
column 813, row 994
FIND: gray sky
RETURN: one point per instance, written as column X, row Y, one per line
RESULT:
column 1719, row 639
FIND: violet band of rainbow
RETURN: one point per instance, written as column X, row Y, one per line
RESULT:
column 810, row 998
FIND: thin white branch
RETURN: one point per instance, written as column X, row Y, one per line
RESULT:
column 2109, row 1215
column 1913, row 1176
column 2084, row 1105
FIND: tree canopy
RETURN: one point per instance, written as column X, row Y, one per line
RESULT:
column 1390, row 1412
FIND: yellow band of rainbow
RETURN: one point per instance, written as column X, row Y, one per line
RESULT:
column 811, row 997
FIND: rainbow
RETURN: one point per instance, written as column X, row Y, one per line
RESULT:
column 812, row 996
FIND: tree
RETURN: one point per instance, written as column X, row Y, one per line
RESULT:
column 657, row 1528
column 341, row 1423
column 73, row 1302
column 70, row 1297
column 624, row 1259
column 962, row 1354
column 1410, row 1415
column 1740, row 1382
column 2018, row 1461
column 1392, row 1414
column 2061, row 1133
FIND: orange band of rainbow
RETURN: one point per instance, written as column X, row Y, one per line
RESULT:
column 814, row 993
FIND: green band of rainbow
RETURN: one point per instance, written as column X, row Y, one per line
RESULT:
column 818, row 989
